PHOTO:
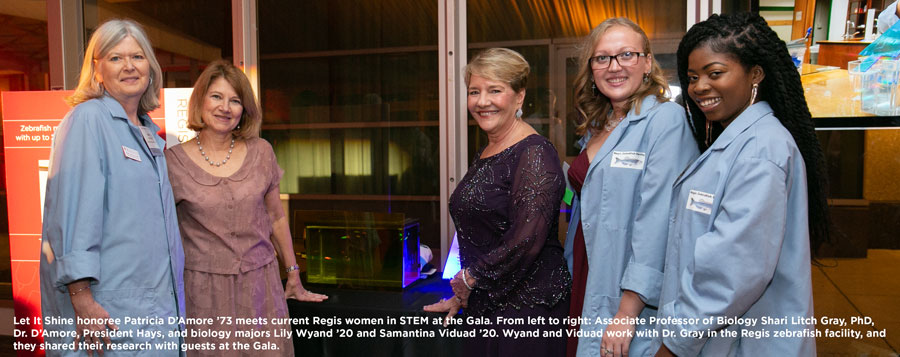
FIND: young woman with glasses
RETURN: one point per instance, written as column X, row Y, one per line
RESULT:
column 634, row 144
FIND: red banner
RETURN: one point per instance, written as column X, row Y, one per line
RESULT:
column 29, row 121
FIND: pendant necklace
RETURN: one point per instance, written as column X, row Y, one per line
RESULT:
column 612, row 124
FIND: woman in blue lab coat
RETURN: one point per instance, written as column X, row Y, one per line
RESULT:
column 634, row 144
column 110, row 245
column 746, row 213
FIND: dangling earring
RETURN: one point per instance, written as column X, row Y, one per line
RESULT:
column 519, row 113
column 753, row 93
column 646, row 77
column 708, row 133
column 594, row 89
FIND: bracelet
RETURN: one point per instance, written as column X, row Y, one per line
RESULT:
column 466, row 280
column 72, row 293
column 291, row 268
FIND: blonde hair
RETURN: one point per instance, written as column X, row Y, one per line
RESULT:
column 251, row 118
column 593, row 107
column 500, row 64
column 105, row 37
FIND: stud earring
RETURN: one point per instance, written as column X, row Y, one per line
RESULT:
column 519, row 113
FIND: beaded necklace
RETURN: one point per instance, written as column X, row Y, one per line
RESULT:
column 216, row 163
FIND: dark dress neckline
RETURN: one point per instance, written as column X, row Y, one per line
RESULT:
column 506, row 150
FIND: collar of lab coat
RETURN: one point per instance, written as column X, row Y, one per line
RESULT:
column 118, row 112
column 745, row 120
column 647, row 104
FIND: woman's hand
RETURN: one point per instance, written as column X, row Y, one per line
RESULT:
column 617, row 337
column 459, row 287
column 294, row 290
column 87, row 309
column 451, row 306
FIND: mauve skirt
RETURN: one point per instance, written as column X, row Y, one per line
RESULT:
column 254, row 294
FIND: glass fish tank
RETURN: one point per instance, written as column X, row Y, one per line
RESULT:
column 359, row 249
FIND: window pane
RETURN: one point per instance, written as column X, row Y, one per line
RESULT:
column 350, row 98
column 186, row 35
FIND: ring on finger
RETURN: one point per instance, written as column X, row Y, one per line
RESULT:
column 607, row 351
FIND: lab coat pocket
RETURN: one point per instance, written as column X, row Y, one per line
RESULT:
column 137, row 310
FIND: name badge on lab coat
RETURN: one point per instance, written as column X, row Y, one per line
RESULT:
column 628, row 160
column 700, row 202
column 150, row 140
column 131, row 153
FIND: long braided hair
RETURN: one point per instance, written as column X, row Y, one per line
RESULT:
column 752, row 42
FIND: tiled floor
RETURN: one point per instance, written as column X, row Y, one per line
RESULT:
column 867, row 287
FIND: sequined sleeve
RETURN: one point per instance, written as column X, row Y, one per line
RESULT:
column 536, row 193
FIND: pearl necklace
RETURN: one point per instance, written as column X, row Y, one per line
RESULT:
column 612, row 124
column 211, row 163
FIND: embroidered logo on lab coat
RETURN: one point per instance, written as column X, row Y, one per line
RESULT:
column 628, row 160
column 700, row 202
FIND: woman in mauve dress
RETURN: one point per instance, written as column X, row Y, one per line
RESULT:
column 506, row 210
column 225, row 182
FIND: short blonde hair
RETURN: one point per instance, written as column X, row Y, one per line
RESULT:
column 105, row 37
column 592, row 106
column 251, row 118
column 500, row 64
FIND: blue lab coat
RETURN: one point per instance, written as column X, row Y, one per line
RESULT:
column 111, row 218
column 623, row 210
column 739, row 245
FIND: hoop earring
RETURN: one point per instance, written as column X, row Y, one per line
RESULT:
column 519, row 113
column 151, row 81
column 753, row 93
column 708, row 133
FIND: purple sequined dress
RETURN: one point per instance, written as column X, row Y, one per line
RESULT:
column 506, row 211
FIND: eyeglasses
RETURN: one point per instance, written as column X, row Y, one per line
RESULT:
column 624, row 59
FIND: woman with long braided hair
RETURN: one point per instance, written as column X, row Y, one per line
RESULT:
column 747, row 212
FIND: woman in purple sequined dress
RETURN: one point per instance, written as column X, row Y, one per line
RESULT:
column 506, row 210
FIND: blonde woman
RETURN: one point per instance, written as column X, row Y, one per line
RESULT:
column 506, row 210
column 111, row 246
column 634, row 144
